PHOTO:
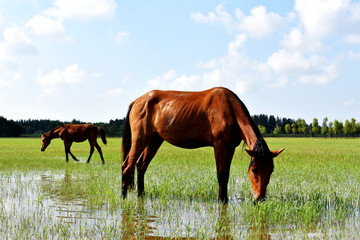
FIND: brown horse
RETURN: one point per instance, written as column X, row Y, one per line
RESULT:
column 214, row 117
column 70, row 133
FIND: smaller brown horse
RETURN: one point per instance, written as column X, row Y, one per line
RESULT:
column 70, row 133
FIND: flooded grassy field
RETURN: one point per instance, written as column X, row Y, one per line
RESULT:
column 314, row 193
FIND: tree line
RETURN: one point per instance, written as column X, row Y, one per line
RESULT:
column 32, row 127
column 268, row 125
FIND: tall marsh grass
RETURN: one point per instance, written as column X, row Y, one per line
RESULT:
column 313, row 193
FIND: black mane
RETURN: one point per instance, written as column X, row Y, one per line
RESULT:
column 52, row 130
column 263, row 153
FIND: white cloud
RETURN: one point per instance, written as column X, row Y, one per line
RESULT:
column 321, row 18
column 354, row 55
column 316, row 69
column 184, row 82
column 259, row 24
column 16, row 43
column 122, row 37
column 160, row 81
column 54, row 81
column 237, row 43
column 349, row 102
column 296, row 41
column 352, row 38
column 220, row 16
column 209, row 64
column 113, row 93
column 46, row 26
column 82, row 9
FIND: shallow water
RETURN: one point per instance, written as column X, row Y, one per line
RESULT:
column 39, row 205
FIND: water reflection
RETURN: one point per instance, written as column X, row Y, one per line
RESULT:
column 64, row 204
column 260, row 233
column 223, row 223
column 143, row 218
column 136, row 223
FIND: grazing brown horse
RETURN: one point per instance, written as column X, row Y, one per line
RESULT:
column 70, row 133
column 214, row 117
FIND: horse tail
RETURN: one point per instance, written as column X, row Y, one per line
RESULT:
column 102, row 133
column 126, row 141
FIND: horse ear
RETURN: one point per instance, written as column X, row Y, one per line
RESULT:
column 277, row 152
column 251, row 153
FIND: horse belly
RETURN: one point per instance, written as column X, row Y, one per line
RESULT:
column 186, row 136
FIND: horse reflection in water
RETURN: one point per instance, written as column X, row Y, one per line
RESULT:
column 214, row 117
column 139, row 224
column 70, row 133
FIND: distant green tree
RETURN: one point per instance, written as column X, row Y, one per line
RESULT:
column 315, row 127
column 347, row 128
column 354, row 129
column 262, row 129
column 9, row 128
column 324, row 128
column 299, row 125
column 288, row 128
column 277, row 130
column 331, row 129
column 293, row 128
column 302, row 126
column 338, row 128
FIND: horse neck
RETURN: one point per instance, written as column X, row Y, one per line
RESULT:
column 250, row 132
column 55, row 133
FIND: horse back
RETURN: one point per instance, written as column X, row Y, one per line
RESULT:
column 81, row 132
column 186, row 119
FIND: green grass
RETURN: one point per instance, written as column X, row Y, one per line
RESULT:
column 313, row 193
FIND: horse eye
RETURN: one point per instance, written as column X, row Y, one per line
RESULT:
column 254, row 170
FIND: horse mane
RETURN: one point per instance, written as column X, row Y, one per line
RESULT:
column 52, row 130
column 262, row 151
column 247, row 114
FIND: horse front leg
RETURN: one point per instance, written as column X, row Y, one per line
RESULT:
column 66, row 154
column 67, row 150
column 145, row 160
column 223, row 157
column 72, row 155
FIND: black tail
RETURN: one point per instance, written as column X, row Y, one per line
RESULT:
column 102, row 133
column 126, row 141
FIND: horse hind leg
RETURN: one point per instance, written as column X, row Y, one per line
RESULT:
column 145, row 160
column 91, row 152
column 100, row 152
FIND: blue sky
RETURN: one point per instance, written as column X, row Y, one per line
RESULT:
column 88, row 59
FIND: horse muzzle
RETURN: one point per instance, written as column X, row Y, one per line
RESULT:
column 259, row 200
column 43, row 149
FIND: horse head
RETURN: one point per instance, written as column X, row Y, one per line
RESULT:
column 260, row 169
column 45, row 141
